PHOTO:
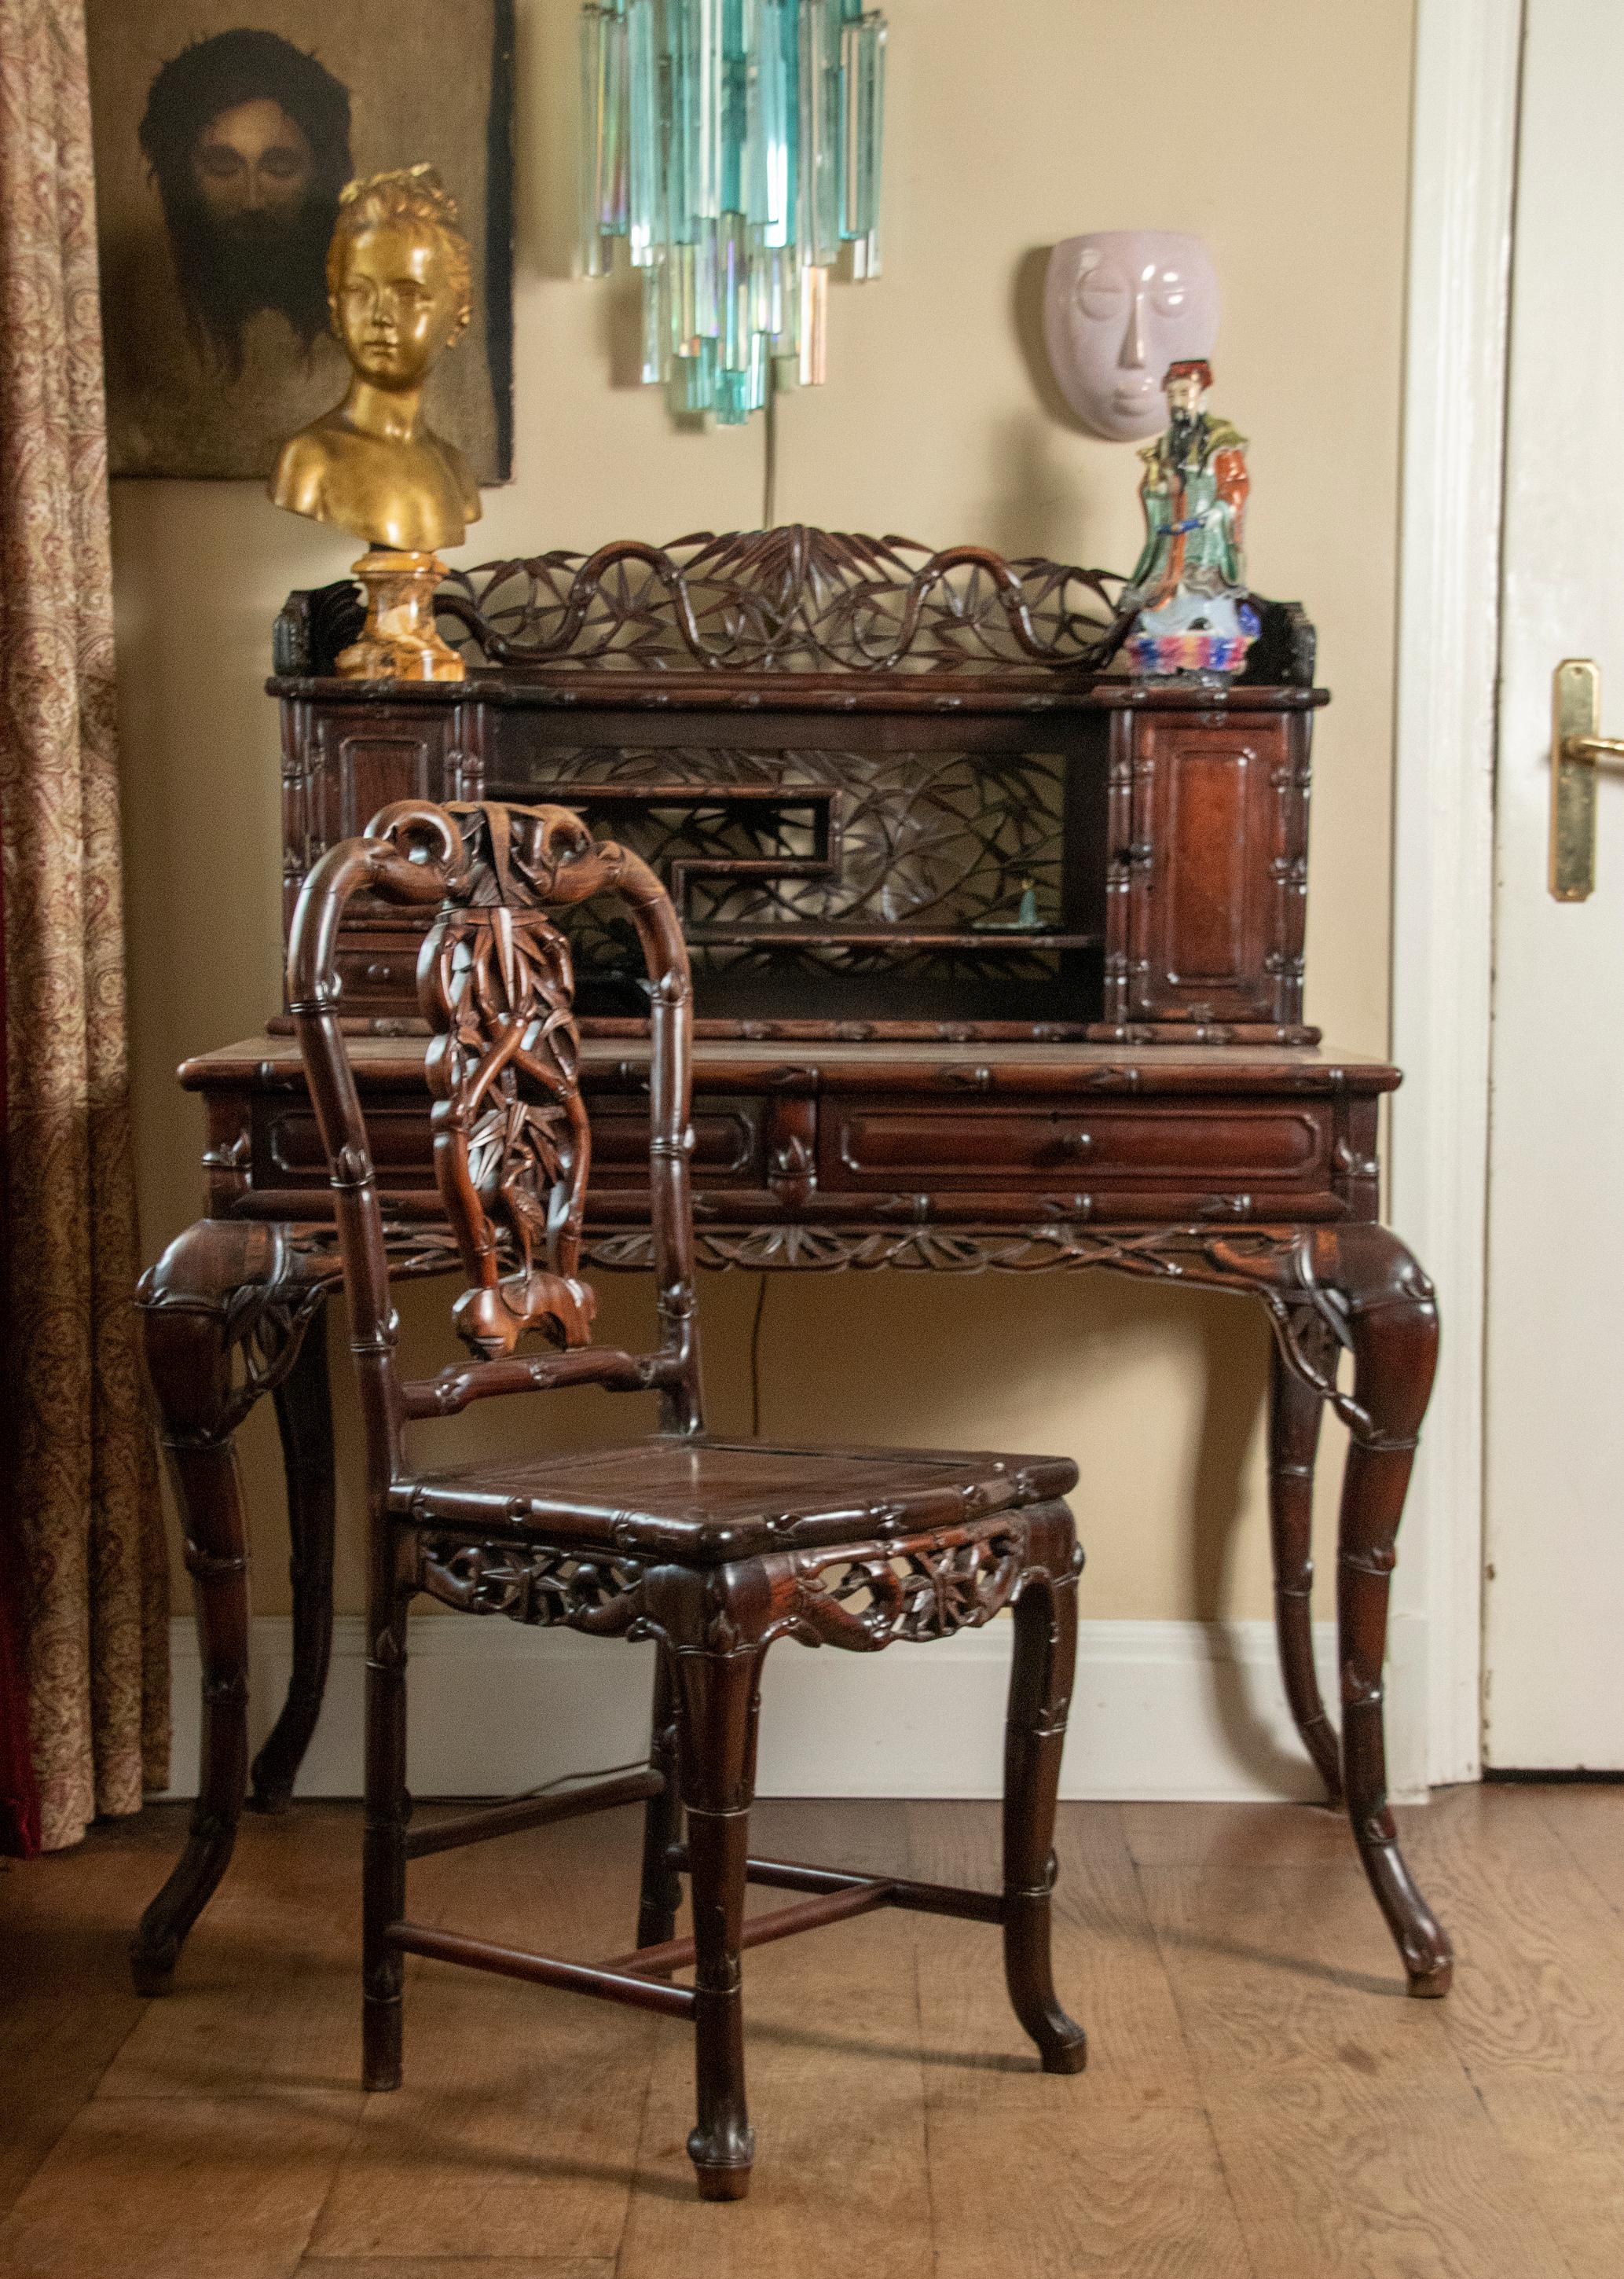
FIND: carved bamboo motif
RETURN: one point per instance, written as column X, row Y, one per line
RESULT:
column 512, row 1144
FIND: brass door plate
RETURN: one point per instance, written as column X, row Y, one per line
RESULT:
column 1575, row 721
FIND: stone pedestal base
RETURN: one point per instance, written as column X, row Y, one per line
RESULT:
column 400, row 641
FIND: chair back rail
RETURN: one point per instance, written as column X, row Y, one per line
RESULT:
column 512, row 1144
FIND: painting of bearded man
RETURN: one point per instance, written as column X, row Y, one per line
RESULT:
column 248, row 139
column 221, row 153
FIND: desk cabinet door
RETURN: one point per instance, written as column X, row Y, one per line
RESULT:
column 1216, row 872
column 341, row 763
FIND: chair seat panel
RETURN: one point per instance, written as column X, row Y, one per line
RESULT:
column 706, row 1500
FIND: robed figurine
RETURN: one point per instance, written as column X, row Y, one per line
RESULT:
column 399, row 291
column 1189, row 584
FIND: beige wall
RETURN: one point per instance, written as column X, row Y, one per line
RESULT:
column 1277, row 128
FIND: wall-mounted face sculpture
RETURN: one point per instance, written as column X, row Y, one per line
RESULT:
column 1121, row 305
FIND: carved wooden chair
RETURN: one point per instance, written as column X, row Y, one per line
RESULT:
column 711, row 1547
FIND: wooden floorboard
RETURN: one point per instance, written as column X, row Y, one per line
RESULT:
column 1589, row 1821
column 518, row 2121
column 1108, row 1972
column 835, row 2080
column 1346, row 2172
column 67, row 2007
column 457, row 2266
column 267, row 2002
column 1540, row 1988
column 1262, row 2101
column 180, row 2188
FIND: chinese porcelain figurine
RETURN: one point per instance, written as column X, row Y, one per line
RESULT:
column 1119, row 306
column 399, row 291
column 1188, row 585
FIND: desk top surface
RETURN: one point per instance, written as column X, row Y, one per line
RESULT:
column 977, row 1066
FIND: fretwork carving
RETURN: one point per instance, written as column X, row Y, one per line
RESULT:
column 531, row 1583
column 926, row 1588
column 821, row 860
column 254, row 1288
column 1279, row 1266
column 789, row 599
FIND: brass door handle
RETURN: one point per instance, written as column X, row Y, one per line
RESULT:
column 1576, row 750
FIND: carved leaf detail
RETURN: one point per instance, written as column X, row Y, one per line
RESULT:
column 532, row 1583
column 512, row 1145
column 869, row 1599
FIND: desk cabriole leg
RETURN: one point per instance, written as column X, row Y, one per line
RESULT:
column 1295, row 1411
column 208, row 1494
column 1352, row 1286
column 222, row 1315
column 187, row 1343
column 1393, row 1325
column 305, row 1419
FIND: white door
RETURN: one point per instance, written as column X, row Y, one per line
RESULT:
column 1554, row 1450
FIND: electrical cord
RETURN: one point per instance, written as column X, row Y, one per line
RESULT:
column 769, row 451
column 755, row 1361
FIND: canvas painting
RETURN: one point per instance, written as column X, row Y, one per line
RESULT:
column 225, row 131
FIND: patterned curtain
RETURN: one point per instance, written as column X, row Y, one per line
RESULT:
column 87, row 1533
column 19, row 1798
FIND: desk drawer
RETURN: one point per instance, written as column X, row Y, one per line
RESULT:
column 378, row 969
column 728, row 1144
column 881, row 1145
column 288, row 1154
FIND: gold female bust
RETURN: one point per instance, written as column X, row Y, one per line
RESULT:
column 398, row 287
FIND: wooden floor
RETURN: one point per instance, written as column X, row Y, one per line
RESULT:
column 1261, row 2099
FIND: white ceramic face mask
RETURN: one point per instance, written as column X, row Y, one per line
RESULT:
column 1121, row 305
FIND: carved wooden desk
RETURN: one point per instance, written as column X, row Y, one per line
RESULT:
column 1000, row 965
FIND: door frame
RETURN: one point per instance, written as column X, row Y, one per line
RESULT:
column 1462, row 181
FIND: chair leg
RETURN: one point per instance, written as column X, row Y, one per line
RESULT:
column 662, row 1887
column 1045, row 1624
column 718, row 1697
column 388, row 1807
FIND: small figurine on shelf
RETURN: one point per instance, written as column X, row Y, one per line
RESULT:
column 398, row 289
column 1189, row 584
column 1025, row 920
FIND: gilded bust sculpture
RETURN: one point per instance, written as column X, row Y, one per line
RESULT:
column 399, row 292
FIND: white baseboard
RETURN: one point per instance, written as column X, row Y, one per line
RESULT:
column 1163, row 1709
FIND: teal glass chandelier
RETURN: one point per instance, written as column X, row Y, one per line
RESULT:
column 735, row 146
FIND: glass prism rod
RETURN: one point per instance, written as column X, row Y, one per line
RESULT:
column 736, row 147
